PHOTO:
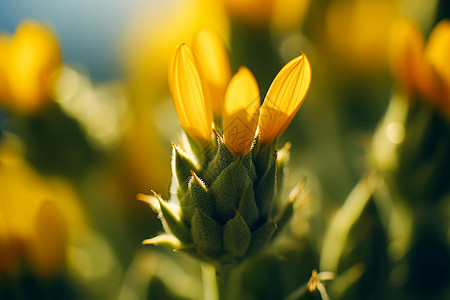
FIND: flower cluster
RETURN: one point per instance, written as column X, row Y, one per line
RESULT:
column 227, row 175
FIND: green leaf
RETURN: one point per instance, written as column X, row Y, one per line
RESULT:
column 206, row 233
column 227, row 190
column 236, row 236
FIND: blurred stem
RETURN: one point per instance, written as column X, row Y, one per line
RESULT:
column 210, row 284
column 337, row 233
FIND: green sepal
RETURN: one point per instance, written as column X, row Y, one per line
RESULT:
column 262, row 236
column 182, row 167
column 227, row 190
column 236, row 236
column 164, row 240
column 283, row 157
column 174, row 221
column 247, row 162
column 221, row 160
column 206, row 233
column 255, row 148
column 263, row 158
column 265, row 191
column 202, row 153
column 247, row 206
column 186, row 205
column 288, row 209
column 201, row 196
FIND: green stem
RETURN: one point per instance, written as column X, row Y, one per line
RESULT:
column 210, row 284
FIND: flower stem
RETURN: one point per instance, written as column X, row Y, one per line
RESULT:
column 209, row 278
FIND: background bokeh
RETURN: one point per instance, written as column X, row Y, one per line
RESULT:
column 87, row 121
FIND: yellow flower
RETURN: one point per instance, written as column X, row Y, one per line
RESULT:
column 437, row 56
column 358, row 31
column 212, row 56
column 284, row 98
column 38, row 222
column 29, row 59
column 188, row 92
column 405, row 53
column 420, row 68
column 241, row 110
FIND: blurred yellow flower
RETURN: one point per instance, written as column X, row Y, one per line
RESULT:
column 241, row 111
column 284, row 98
column 405, row 53
column 28, row 59
column 212, row 56
column 420, row 68
column 147, row 50
column 38, row 216
column 437, row 56
column 358, row 31
column 241, row 108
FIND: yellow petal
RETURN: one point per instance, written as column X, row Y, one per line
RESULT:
column 284, row 98
column 437, row 54
column 241, row 110
column 406, row 51
column 33, row 56
column 186, row 87
column 212, row 56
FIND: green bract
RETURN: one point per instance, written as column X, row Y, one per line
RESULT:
column 227, row 207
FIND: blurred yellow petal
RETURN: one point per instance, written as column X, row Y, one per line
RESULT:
column 33, row 55
column 437, row 54
column 437, row 51
column 27, row 218
column 406, row 50
column 148, row 49
column 212, row 56
column 241, row 110
column 284, row 98
column 187, row 88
